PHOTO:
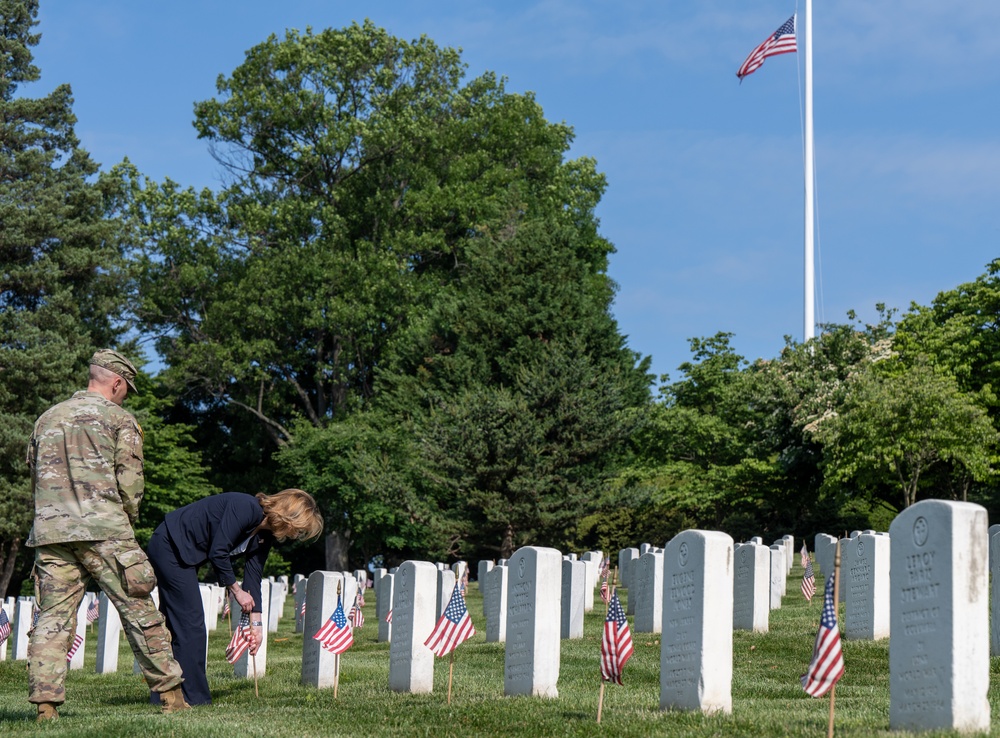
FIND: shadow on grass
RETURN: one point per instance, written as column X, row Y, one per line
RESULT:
column 17, row 716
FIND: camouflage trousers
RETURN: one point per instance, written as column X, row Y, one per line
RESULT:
column 121, row 569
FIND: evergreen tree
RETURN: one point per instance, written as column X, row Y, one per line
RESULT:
column 61, row 287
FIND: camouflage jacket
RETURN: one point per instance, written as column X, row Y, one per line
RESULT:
column 85, row 456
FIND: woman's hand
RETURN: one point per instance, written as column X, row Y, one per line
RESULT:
column 256, row 633
column 243, row 598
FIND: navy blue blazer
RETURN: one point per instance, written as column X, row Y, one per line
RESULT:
column 213, row 527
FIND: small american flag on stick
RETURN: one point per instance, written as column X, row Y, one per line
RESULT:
column 453, row 627
column 336, row 635
column 616, row 642
column 808, row 582
column 240, row 641
column 93, row 612
column 827, row 665
column 77, row 642
column 357, row 617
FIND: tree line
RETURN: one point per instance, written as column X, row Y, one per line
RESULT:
column 399, row 301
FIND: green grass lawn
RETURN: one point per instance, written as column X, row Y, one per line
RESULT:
column 767, row 697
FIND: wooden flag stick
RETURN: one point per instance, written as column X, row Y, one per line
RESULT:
column 600, row 703
column 836, row 605
column 256, row 690
column 451, row 670
column 336, row 674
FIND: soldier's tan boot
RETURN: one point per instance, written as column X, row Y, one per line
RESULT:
column 173, row 701
column 47, row 711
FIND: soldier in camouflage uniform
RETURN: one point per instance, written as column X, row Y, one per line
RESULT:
column 85, row 456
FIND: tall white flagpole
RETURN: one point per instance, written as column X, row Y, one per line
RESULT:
column 810, row 274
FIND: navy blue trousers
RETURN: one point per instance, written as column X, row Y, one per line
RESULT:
column 181, row 605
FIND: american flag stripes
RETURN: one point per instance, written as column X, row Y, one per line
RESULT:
column 336, row 635
column 827, row 665
column 240, row 641
column 357, row 617
column 781, row 41
column 603, row 573
column 808, row 582
column 225, row 608
column 388, row 616
column 804, row 555
column 616, row 643
column 93, row 612
column 74, row 647
column 453, row 627
column 4, row 626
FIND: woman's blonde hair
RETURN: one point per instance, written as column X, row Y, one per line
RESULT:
column 293, row 514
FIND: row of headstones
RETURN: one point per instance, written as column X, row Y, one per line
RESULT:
column 109, row 626
column 760, row 580
column 938, row 669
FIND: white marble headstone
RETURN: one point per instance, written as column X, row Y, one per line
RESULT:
column 696, row 652
column 445, row 588
column 383, row 604
column 778, row 575
column 276, row 606
column 939, row 666
column 864, row 567
column 318, row 664
column 994, row 537
column 109, row 628
column 81, row 630
column 593, row 561
column 789, row 542
column 574, row 580
column 751, row 587
column 23, row 620
column 301, row 593
column 494, row 588
column 825, row 547
column 626, row 557
column 484, row 567
column 648, row 593
column 414, row 613
column 531, row 653
column 8, row 608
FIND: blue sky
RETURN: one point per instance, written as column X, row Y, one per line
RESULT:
column 704, row 199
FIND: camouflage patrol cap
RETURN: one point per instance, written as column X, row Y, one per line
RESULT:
column 115, row 362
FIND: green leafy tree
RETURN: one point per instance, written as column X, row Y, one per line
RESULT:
column 960, row 331
column 61, row 283
column 731, row 446
column 897, row 423
column 393, row 239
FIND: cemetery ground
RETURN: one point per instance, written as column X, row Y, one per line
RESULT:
column 767, row 697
